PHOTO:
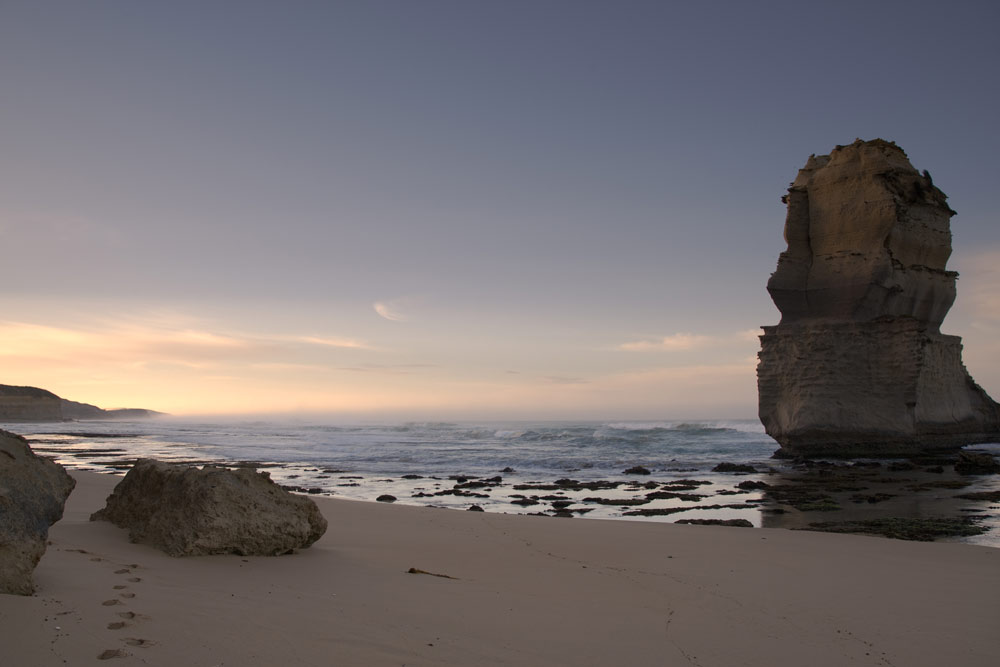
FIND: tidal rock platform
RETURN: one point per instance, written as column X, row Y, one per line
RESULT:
column 858, row 365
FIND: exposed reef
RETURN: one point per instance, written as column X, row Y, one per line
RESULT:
column 858, row 366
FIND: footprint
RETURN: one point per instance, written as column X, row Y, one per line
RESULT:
column 107, row 654
column 97, row 559
column 127, row 614
column 135, row 580
column 117, row 625
column 110, row 603
column 144, row 643
column 124, row 570
column 127, row 595
column 119, row 587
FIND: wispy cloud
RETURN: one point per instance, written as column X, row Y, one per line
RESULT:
column 559, row 379
column 333, row 342
column 676, row 342
column 392, row 369
column 30, row 339
column 386, row 310
column 680, row 342
column 136, row 343
column 395, row 310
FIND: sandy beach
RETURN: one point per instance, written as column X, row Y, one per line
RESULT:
column 518, row 590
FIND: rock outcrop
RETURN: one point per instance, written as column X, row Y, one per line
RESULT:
column 187, row 511
column 858, row 364
column 33, row 492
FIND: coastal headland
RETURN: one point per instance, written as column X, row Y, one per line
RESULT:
column 513, row 590
column 32, row 404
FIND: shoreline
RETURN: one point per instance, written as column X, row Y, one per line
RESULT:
column 525, row 591
column 921, row 498
column 783, row 496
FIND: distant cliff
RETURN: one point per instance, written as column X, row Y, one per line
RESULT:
column 31, row 404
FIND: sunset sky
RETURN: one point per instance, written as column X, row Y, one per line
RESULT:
column 448, row 209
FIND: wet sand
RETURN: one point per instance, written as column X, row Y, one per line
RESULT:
column 518, row 590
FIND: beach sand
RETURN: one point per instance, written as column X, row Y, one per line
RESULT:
column 523, row 591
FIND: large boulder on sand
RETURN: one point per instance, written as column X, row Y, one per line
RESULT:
column 187, row 511
column 33, row 491
column 858, row 365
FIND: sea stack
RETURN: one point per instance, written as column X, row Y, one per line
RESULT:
column 858, row 365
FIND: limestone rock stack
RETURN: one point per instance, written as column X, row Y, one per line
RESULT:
column 858, row 364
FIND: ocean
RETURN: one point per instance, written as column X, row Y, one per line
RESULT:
column 570, row 468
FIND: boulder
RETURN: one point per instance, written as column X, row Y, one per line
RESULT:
column 976, row 463
column 186, row 511
column 33, row 491
column 858, row 366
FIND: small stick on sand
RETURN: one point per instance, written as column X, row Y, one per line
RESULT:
column 414, row 570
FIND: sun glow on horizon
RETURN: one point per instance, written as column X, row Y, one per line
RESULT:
column 192, row 370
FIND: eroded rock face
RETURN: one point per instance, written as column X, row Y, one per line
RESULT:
column 33, row 492
column 187, row 511
column 29, row 404
column 857, row 364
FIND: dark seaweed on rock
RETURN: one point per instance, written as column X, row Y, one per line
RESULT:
column 623, row 502
column 738, row 468
column 740, row 523
column 568, row 484
column 901, row 528
column 670, row 495
column 992, row 496
column 664, row 511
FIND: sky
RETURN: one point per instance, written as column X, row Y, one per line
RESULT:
column 433, row 209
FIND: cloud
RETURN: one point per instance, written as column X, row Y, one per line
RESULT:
column 390, row 310
column 676, row 342
column 680, row 342
column 559, row 379
column 392, row 369
column 122, row 346
column 139, row 343
column 333, row 342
